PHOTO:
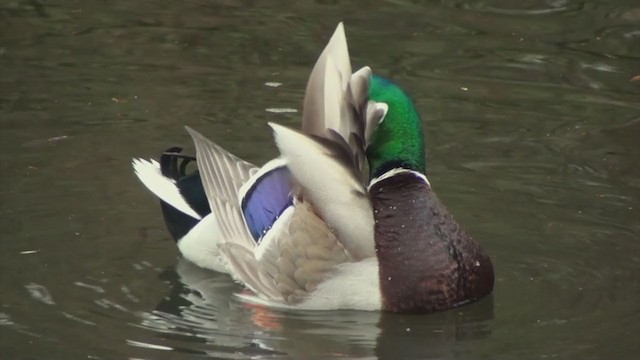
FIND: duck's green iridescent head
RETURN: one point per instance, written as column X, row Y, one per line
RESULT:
column 398, row 141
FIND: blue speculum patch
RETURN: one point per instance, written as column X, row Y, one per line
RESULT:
column 265, row 201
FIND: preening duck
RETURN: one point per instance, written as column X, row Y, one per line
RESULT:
column 344, row 218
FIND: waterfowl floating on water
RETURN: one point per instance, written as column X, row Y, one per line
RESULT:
column 344, row 218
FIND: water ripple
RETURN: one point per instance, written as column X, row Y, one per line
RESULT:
column 5, row 320
column 613, row 42
column 75, row 318
column 96, row 288
column 523, row 8
column 40, row 293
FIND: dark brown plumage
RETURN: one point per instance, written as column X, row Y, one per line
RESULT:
column 427, row 262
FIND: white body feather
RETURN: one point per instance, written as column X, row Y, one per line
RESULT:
column 201, row 245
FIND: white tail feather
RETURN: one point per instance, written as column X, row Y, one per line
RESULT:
column 163, row 187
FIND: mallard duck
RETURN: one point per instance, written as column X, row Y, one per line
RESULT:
column 344, row 218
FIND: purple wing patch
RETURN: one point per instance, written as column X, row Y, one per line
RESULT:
column 266, row 199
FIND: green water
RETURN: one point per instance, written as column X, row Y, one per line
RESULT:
column 533, row 141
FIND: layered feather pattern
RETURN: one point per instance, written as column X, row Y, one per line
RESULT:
column 296, row 229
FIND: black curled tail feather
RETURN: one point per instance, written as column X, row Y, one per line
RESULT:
column 169, row 163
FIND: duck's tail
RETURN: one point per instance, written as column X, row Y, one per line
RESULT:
column 181, row 195
column 185, row 207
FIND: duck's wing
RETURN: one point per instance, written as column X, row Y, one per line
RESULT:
column 329, row 223
column 296, row 255
column 283, row 250
column 332, row 187
column 223, row 174
column 278, row 249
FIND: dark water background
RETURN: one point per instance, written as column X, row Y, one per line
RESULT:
column 533, row 141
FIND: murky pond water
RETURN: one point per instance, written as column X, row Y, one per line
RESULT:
column 533, row 141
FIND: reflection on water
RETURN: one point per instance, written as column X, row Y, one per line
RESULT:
column 531, row 124
column 201, row 308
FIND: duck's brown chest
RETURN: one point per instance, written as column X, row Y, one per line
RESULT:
column 426, row 261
